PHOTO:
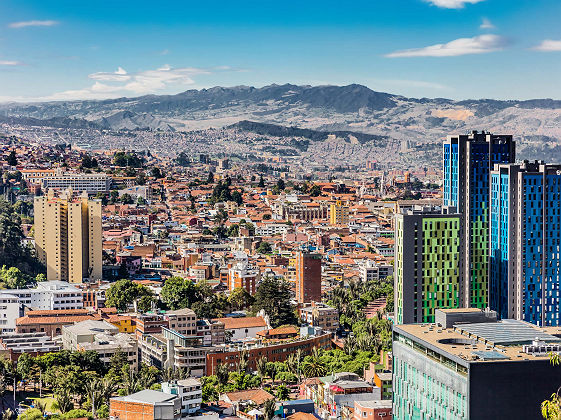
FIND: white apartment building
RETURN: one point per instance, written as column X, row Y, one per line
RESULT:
column 189, row 392
column 49, row 295
column 270, row 229
column 371, row 270
column 10, row 310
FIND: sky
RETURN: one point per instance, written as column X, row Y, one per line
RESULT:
column 459, row 49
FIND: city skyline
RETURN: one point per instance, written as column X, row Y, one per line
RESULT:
column 416, row 48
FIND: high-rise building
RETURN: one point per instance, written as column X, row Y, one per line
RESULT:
column 468, row 365
column 68, row 236
column 468, row 160
column 338, row 213
column 308, row 277
column 525, row 242
column 427, row 273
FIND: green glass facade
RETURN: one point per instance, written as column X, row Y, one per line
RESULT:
column 427, row 265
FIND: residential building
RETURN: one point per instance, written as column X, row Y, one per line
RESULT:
column 525, row 231
column 242, row 275
column 455, row 369
column 68, row 236
column 211, row 331
column 145, row 405
column 320, row 315
column 308, row 277
column 184, row 321
column 101, row 337
column 189, row 392
column 467, row 161
column 340, row 390
column 49, row 295
column 374, row 271
column 10, row 310
column 427, row 264
column 338, row 213
column 372, row 410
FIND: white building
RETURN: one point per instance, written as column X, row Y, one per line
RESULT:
column 243, row 327
column 189, row 392
column 10, row 310
column 91, row 183
column 271, row 229
column 101, row 337
column 49, row 295
column 370, row 270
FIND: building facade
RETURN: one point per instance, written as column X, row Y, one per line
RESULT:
column 467, row 163
column 427, row 264
column 308, row 277
column 525, row 235
column 68, row 236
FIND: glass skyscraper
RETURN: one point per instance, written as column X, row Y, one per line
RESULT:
column 467, row 163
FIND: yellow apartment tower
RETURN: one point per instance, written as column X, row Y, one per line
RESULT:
column 68, row 236
column 338, row 213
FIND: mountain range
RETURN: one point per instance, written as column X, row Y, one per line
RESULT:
column 411, row 122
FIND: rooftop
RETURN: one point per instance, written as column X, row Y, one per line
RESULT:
column 148, row 396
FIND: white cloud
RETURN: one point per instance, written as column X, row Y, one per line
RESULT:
column 452, row 4
column 462, row 46
column 548, row 45
column 28, row 23
column 118, row 76
column 486, row 24
column 11, row 63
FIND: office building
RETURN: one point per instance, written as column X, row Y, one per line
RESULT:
column 427, row 264
column 524, row 242
column 338, row 213
column 308, row 277
column 467, row 163
column 372, row 271
column 486, row 369
column 68, row 236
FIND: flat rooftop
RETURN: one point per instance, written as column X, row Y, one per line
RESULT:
column 483, row 342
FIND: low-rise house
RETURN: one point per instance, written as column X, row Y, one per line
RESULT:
column 240, row 328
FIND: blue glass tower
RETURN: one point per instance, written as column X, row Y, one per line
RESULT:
column 468, row 160
column 525, row 242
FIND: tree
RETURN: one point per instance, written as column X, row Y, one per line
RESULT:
column 313, row 367
column 124, row 292
column 13, row 278
column 210, row 179
column 273, row 296
column 126, row 199
column 240, row 299
column 264, row 248
column 261, row 182
column 269, row 408
column 282, row 393
column 156, row 172
column 315, row 191
column 222, row 374
column 237, row 197
column 12, row 251
column 12, row 159
column 178, row 293
column 280, row 184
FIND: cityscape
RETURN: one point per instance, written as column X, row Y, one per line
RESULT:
column 201, row 241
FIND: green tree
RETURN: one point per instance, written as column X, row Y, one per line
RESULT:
column 282, row 393
column 273, row 296
column 12, row 158
column 240, row 299
column 126, row 199
column 313, row 366
column 315, row 191
column 13, row 278
column 178, row 293
column 261, row 182
column 124, row 292
column 269, row 408
column 264, row 248
column 210, row 178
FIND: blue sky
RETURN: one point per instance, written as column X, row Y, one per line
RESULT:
column 52, row 50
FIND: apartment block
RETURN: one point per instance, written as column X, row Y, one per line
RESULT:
column 338, row 213
column 427, row 264
column 68, row 236
column 308, row 277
